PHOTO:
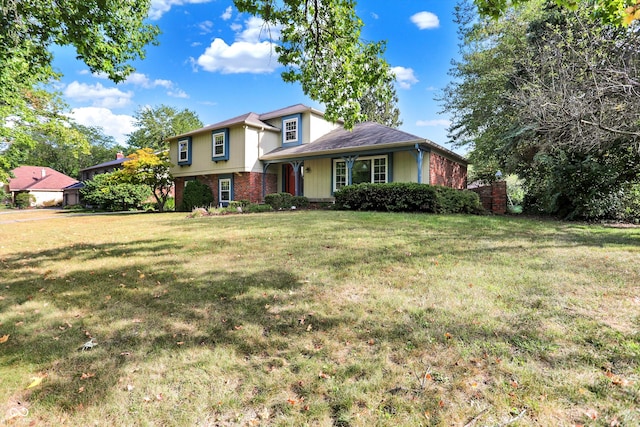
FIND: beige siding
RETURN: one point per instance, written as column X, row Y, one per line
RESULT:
column 316, row 126
column 405, row 167
column 317, row 182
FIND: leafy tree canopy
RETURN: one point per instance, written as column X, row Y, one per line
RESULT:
column 152, row 170
column 321, row 48
column 157, row 124
column 610, row 11
column 552, row 95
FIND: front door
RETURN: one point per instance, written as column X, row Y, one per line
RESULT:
column 289, row 179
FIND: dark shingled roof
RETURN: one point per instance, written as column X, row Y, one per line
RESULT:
column 107, row 164
column 364, row 136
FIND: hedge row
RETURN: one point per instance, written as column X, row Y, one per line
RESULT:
column 407, row 197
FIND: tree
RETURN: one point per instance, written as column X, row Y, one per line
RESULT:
column 547, row 94
column 108, row 192
column 157, row 124
column 620, row 12
column 107, row 36
column 151, row 170
column 385, row 111
column 321, row 48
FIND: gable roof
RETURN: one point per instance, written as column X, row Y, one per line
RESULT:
column 38, row 178
column 364, row 136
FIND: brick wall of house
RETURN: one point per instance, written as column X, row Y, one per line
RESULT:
column 446, row 172
column 246, row 186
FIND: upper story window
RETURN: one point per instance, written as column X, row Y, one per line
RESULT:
column 220, row 145
column 184, row 151
column 292, row 130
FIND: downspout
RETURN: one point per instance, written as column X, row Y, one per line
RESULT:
column 349, row 161
column 265, row 166
column 296, row 176
column 419, row 155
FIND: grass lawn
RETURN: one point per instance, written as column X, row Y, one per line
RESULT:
column 318, row 318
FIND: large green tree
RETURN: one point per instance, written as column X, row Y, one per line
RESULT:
column 321, row 48
column 107, row 36
column 155, row 125
column 552, row 95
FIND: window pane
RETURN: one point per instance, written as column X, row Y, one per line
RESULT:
column 380, row 170
column 341, row 174
column 218, row 144
column 361, row 171
column 291, row 130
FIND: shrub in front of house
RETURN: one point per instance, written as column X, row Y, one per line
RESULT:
column 196, row 195
column 24, row 200
column 407, row 197
column 286, row 201
column 108, row 193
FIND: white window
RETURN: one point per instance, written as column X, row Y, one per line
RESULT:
column 225, row 191
column 340, row 179
column 183, row 150
column 291, row 130
column 218, row 144
column 365, row 169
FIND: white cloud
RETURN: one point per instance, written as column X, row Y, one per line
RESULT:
column 178, row 93
column 160, row 7
column 425, row 20
column 142, row 80
column 227, row 13
column 433, row 123
column 404, row 76
column 240, row 57
column 98, row 95
column 251, row 52
column 116, row 125
column 205, row 27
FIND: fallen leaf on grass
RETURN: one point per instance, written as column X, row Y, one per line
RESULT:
column 84, row 376
column 4, row 339
column 81, row 390
column 323, row 375
column 129, row 387
column 180, row 342
column 36, row 381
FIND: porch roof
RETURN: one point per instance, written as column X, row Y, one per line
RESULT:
column 364, row 138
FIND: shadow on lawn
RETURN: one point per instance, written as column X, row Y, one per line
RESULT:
column 134, row 313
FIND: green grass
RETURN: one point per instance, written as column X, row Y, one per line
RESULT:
column 318, row 318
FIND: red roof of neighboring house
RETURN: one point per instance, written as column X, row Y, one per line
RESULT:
column 40, row 178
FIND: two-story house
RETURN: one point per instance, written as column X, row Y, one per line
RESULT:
column 296, row 150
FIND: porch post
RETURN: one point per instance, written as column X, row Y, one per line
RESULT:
column 419, row 155
column 264, row 179
column 296, row 173
column 349, row 162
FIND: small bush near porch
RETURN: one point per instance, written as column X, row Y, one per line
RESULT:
column 317, row 318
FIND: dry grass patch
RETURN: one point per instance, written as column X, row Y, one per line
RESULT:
column 318, row 318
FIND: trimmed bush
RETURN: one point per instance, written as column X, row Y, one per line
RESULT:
column 285, row 201
column 24, row 200
column 407, row 197
column 196, row 195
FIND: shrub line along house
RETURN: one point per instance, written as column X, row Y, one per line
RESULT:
column 295, row 150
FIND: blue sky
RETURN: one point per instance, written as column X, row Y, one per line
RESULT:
column 220, row 64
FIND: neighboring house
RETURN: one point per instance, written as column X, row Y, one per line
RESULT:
column 87, row 174
column 296, row 150
column 72, row 193
column 45, row 184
